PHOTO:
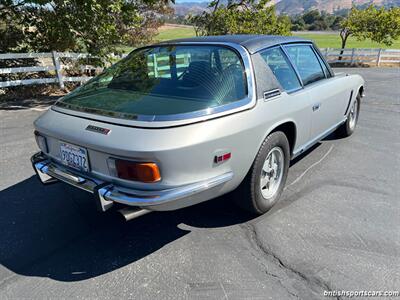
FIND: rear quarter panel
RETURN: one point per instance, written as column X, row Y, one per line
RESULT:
column 185, row 154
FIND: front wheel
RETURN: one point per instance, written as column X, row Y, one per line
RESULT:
column 264, row 183
column 348, row 128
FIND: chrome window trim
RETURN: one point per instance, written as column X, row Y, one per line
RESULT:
column 323, row 61
column 184, row 118
column 290, row 63
column 311, row 45
column 281, row 44
column 293, row 66
column 319, row 61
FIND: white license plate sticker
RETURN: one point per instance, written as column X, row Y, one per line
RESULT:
column 74, row 156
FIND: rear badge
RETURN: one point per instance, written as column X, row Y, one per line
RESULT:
column 97, row 129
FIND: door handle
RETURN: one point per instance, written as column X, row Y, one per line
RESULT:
column 316, row 106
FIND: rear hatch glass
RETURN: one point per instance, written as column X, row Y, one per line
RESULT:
column 163, row 80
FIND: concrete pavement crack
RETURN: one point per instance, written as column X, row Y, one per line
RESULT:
column 310, row 281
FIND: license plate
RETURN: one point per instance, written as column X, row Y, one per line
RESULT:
column 74, row 156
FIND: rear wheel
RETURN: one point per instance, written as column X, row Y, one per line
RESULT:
column 348, row 128
column 264, row 183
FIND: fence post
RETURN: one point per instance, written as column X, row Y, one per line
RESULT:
column 155, row 66
column 56, row 62
column 326, row 53
column 352, row 56
column 378, row 59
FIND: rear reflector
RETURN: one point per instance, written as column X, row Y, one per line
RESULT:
column 136, row 171
column 221, row 158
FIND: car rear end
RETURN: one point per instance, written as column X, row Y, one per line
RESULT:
column 146, row 132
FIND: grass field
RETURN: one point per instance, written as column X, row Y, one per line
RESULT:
column 331, row 40
column 170, row 33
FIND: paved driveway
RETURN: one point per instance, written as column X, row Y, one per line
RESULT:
column 336, row 228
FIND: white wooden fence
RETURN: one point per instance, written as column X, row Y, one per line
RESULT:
column 48, row 62
column 51, row 63
column 352, row 56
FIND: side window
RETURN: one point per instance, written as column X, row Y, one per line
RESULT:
column 224, row 58
column 228, row 58
column 306, row 62
column 327, row 73
column 281, row 68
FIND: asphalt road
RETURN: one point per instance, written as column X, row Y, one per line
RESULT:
column 337, row 226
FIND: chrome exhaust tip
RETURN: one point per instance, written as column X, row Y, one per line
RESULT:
column 130, row 213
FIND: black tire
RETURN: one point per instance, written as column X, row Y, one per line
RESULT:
column 249, row 195
column 346, row 129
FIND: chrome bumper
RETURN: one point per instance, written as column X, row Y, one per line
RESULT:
column 107, row 193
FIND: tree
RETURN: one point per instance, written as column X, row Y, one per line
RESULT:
column 298, row 23
column 312, row 16
column 93, row 26
column 240, row 17
column 334, row 22
column 11, row 27
column 315, row 20
column 379, row 25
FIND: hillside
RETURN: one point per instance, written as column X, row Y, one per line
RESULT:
column 182, row 9
column 292, row 7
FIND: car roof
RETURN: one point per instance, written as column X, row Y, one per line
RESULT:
column 252, row 42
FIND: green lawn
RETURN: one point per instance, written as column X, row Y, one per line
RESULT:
column 331, row 40
column 165, row 34
column 175, row 33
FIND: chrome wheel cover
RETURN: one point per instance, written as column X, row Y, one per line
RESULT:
column 353, row 115
column 272, row 173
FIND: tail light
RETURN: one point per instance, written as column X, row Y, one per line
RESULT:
column 137, row 171
column 41, row 142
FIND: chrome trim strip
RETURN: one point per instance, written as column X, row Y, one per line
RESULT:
column 148, row 198
column 196, row 116
column 111, row 193
column 50, row 169
column 71, row 177
column 317, row 139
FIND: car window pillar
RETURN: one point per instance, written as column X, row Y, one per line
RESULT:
column 293, row 65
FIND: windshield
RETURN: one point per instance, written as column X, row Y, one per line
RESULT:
column 163, row 80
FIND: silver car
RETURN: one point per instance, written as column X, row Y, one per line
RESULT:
column 185, row 121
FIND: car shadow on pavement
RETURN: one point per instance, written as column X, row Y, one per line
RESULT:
column 55, row 231
column 331, row 137
column 334, row 136
column 304, row 154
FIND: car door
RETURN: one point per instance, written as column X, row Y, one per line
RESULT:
column 294, row 104
column 326, row 98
